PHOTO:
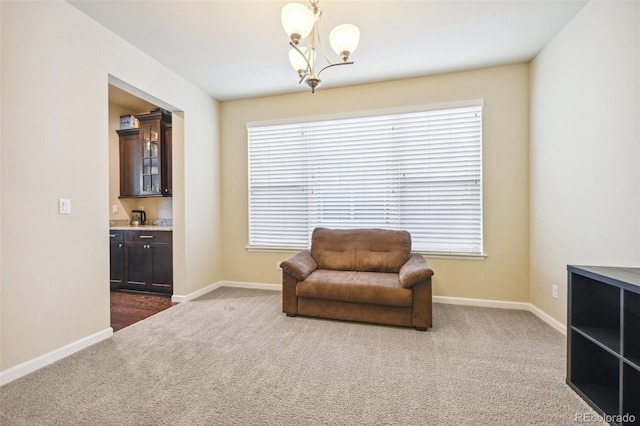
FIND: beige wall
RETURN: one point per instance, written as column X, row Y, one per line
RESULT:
column 56, row 64
column 503, row 275
column 585, row 142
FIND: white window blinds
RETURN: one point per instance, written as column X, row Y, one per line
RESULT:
column 418, row 171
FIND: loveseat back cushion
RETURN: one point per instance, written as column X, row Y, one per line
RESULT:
column 365, row 250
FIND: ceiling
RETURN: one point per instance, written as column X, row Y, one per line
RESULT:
column 236, row 49
column 126, row 100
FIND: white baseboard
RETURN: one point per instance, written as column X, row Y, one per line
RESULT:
column 176, row 298
column 500, row 304
column 30, row 366
column 548, row 319
column 210, row 288
column 259, row 286
column 484, row 303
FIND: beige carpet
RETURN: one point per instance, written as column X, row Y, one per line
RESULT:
column 232, row 358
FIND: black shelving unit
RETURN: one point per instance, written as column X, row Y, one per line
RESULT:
column 603, row 340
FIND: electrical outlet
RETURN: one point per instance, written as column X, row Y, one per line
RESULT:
column 278, row 268
column 554, row 291
column 114, row 209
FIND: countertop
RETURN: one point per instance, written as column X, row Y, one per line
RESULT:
column 142, row 228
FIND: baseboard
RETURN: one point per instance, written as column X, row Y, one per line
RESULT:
column 548, row 319
column 259, row 286
column 484, row 303
column 500, row 304
column 176, row 298
column 30, row 366
column 238, row 284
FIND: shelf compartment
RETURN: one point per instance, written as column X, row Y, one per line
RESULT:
column 595, row 373
column 631, row 394
column 595, row 310
column 609, row 338
column 632, row 327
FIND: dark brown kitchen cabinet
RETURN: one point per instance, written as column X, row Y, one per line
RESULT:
column 145, row 157
column 116, row 255
column 167, row 164
column 130, row 162
column 147, row 261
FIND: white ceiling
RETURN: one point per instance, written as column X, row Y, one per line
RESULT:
column 236, row 49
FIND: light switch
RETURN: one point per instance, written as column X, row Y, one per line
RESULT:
column 114, row 208
column 64, row 206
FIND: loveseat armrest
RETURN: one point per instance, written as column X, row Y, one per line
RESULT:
column 300, row 265
column 415, row 270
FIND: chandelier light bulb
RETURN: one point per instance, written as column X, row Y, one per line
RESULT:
column 297, row 60
column 297, row 21
column 344, row 40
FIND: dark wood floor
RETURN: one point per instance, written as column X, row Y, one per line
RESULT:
column 129, row 307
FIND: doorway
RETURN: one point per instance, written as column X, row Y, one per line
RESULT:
column 128, row 307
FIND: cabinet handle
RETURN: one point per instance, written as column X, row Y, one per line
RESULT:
column 120, row 245
column 146, row 236
column 112, row 235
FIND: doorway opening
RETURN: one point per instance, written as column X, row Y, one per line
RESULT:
column 139, row 252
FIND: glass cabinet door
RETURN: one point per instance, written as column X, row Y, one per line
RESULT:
column 150, row 158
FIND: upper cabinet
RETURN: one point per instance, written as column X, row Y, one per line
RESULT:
column 145, row 157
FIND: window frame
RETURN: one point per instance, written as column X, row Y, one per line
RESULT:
column 364, row 114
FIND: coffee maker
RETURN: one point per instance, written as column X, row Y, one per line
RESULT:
column 138, row 217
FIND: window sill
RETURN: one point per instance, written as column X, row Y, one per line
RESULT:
column 427, row 254
column 453, row 256
column 275, row 249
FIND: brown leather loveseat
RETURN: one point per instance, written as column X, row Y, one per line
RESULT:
column 367, row 275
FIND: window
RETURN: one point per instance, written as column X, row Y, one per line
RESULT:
column 420, row 171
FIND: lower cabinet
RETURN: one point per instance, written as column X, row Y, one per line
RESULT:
column 147, row 262
column 116, row 253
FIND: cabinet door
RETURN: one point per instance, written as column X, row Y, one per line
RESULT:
column 161, row 268
column 130, row 163
column 150, row 138
column 116, row 256
column 138, row 266
column 149, row 261
column 167, row 152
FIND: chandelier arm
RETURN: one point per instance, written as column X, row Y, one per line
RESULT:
column 303, row 55
column 335, row 65
column 324, row 52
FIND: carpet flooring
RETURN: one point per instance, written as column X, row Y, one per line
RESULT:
column 232, row 358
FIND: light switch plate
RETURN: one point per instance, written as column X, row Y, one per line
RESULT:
column 64, row 205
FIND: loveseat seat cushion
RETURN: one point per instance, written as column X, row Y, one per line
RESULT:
column 376, row 288
column 365, row 250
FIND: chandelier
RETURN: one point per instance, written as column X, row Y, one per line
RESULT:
column 300, row 22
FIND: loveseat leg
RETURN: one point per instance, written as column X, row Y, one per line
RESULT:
column 422, row 328
column 292, row 315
